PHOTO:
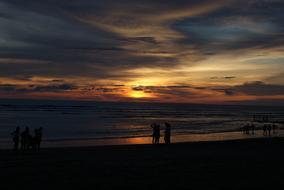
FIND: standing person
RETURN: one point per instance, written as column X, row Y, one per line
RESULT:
column 25, row 139
column 16, row 138
column 274, row 128
column 264, row 130
column 38, row 138
column 252, row 128
column 243, row 129
column 153, row 126
column 247, row 128
column 167, row 136
column 157, row 134
column 269, row 129
column 29, row 139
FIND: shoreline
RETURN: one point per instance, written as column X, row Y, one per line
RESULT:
column 177, row 144
column 179, row 138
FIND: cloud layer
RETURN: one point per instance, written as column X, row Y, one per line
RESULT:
column 182, row 49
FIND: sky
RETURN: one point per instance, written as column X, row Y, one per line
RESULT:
column 187, row 51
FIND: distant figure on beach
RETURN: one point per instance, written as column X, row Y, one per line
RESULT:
column 156, row 133
column 243, row 129
column 37, row 139
column 153, row 126
column 246, row 128
column 167, row 136
column 16, row 138
column 269, row 128
column 252, row 126
column 264, row 129
column 274, row 128
column 25, row 139
column 157, row 138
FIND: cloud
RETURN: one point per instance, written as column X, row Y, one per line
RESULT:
column 91, row 34
column 242, row 25
column 257, row 88
column 12, row 88
column 104, row 42
column 225, row 77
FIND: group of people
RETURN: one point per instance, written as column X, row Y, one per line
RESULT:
column 267, row 129
column 27, row 140
column 247, row 128
column 156, row 133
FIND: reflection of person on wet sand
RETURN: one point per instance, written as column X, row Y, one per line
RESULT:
column 16, row 138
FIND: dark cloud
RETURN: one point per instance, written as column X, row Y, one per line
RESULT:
column 57, row 80
column 229, row 77
column 173, row 91
column 157, row 88
column 105, row 89
column 12, row 88
column 139, row 88
column 220, row 78
column 257, row 88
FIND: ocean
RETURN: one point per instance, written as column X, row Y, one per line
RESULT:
column 69, row 123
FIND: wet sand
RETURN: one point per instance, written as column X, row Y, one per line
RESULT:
column 235, row 164
column 180, row 138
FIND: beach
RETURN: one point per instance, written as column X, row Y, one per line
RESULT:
column 231, row 164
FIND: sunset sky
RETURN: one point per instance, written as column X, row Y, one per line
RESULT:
column 194, row 51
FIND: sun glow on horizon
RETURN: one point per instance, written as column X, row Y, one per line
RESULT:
column 139, row 94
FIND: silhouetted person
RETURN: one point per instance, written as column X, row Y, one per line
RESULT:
column 16, row 138
column 246, row 128
column 156, row 133
column 157, row 136
column 30, row 141
column 25, row 139
column 243, row 129
column 167, row 136
column 274, row 128
column 264, row 129
column 269, row 129
column 37, row 139
column 252, row 128
column 153, row 126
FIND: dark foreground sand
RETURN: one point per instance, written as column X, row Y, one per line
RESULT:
column 255, row 163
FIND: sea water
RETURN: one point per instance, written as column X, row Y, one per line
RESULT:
column 87, row 122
